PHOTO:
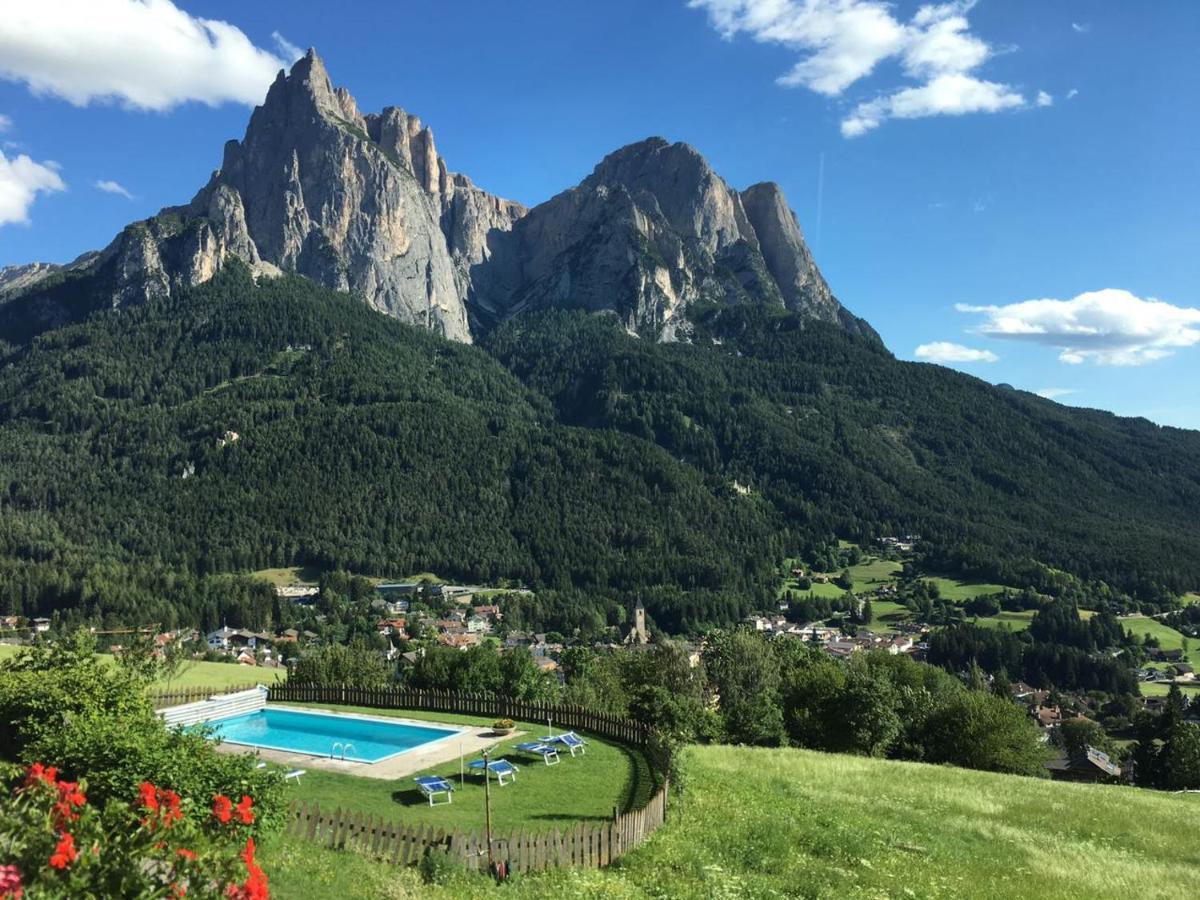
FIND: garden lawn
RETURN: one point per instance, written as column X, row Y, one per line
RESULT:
column 584, row 788
column 788, row 823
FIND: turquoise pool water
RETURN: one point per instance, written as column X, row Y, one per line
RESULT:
column 316, row 733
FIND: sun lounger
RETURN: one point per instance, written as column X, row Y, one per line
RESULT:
column 547, row 752
column 432, row 785
column 570, row 740
column 501, row 768
column 294, row 775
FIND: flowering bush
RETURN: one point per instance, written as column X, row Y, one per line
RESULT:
column 55, row 844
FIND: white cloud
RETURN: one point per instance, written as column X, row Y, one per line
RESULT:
column 1072, row 94
column 946, row 95
column 21, row 180
column 5, row 122
column 113, row 187
column 945, row 352
column 1110, row 327
column 145, row 54
column 1055, row 393
column 843, row 41
column 286, row 48
column 1081, row 28
column 1044, row 99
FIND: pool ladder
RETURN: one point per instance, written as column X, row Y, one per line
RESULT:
column 346, row 748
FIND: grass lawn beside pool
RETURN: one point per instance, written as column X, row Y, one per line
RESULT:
column 583, row 788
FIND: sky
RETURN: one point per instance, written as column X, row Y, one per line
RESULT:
column 1007, row 187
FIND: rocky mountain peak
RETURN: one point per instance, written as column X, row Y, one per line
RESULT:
column 652, row 230
column 365, row 203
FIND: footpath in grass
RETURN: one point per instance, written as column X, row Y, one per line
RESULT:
column 584, row 788
column 791, row 823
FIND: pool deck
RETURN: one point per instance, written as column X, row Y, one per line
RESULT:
column 470, row 742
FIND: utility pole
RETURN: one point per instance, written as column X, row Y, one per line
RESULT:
column 487, row 811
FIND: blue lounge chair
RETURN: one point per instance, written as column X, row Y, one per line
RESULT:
column 570, row 740
column 501, row 768
column 432, row 785
column 548, row 753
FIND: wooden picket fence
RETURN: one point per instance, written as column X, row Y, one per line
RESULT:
column 583, row 846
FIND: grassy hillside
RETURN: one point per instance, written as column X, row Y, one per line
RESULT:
column 769, row 823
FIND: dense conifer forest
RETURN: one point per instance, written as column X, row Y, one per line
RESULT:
column 152, row 456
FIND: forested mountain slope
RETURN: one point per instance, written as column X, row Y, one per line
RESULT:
column 841, row 437
column 241, row 426
column 149, row 452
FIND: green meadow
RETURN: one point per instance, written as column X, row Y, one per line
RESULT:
column 792, row 823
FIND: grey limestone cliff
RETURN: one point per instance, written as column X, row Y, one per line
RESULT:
column 365, row 203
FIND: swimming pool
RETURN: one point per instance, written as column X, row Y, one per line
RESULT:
column 316, row 733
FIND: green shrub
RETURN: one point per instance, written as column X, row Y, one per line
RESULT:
column 63, row 706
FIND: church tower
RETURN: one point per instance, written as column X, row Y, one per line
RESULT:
column 640, row 635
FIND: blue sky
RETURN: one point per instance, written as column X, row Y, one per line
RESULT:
column 938, row 192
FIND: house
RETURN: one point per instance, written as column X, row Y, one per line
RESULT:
column 39, row 626
column 297, row 592
column 1047, row 716
column 490, row 611
column 8, row 623
column 842, row 647
column 287, row 636
column 478, row 625
column 225, row 638
column 900, row 644
column 392, row 626
column 246, row 658
column 1183, row 672
column 1160, row 655
column 459, row 641
column 1089, row 764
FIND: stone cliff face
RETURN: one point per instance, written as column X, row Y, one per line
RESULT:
column 365, row 203
column 357, row 203
column 650, row 231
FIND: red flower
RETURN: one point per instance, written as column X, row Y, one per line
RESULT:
column 244, row 811
column 222, row 809
column 171, row 812
column 65, row 853
column 187, row 854
column 38, row 772
column 69, row 797
column 10, row 883
column 255, row 885
column 149, row 796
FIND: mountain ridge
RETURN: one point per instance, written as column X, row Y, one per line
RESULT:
column 364, row 203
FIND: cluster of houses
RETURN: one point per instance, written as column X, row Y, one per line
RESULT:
column 19, row 626
column 838, row 644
